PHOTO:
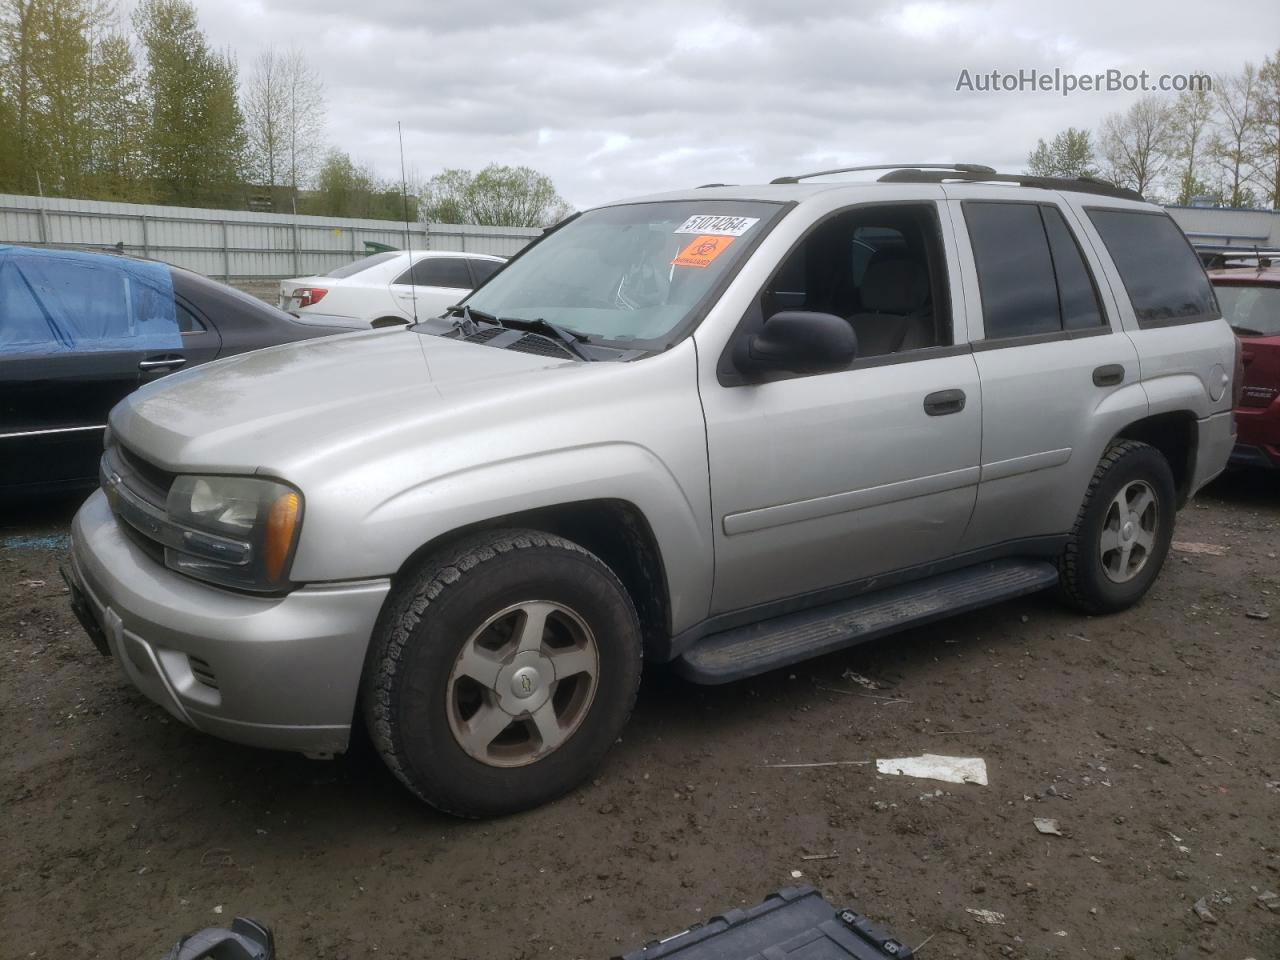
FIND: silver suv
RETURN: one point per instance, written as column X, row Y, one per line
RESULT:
column 728, row 428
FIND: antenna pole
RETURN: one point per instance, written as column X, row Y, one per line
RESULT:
column 408, row 237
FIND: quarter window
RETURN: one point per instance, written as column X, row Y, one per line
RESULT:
column 438, row 272
column 1161, row 273
column 482, row 270
column 188, row 322
column 1031, row 273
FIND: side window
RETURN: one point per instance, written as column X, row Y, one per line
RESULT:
column 188, row 322
column 438, row 272
column 1161, row 273
column 881, row 268
column 1077, row 295
column 1015, row 269
column 482, row 270
column 58, row 301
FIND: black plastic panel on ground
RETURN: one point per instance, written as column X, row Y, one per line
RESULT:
column 795, row 922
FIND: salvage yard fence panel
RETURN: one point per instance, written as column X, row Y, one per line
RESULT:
column 235, row 244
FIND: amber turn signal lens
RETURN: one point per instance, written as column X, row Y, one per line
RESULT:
column 282, row 521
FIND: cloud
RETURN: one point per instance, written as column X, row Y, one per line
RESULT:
column 619, row 99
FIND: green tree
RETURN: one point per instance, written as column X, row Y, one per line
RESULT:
column 9, row 164
column 119, row 122
column 47, row 73
column 1268, row 129
column 1235, row 139
column 1189, row 142
column 1069, row 154
column 196, row 140
column 496, row 196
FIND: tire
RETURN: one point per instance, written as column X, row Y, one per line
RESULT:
column 475, row 603
column 1097, row 576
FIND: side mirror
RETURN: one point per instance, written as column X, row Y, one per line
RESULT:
column 798, row 341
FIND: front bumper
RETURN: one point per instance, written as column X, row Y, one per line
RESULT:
column 277, row 672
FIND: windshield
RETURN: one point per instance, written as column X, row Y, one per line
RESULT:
column 1252, row 308
column 628, row 273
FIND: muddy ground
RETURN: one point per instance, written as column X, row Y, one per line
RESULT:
column 1152, row 737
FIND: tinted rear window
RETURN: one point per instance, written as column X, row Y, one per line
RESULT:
column 1015, row 270
column 358, row 266
column 1162, row 275
column 438, row 272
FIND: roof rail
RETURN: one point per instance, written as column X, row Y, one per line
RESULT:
column 1077, row 184
column 961, row 167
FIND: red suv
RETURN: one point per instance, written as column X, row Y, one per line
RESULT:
column 1250, row 299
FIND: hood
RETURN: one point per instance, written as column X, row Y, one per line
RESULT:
column 273, row 408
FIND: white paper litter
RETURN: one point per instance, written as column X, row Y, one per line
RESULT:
column 930, row 766
column 986, row 916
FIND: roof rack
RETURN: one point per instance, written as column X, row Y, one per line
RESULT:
column 1217, row 257
column 960, row 167
column 987, row 175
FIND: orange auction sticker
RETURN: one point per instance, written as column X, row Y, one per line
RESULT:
column 702, row 251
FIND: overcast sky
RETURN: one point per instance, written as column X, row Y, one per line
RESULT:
column 618, row 99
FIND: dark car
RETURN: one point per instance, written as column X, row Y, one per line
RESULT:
column 1249, row 295
column 79, row 331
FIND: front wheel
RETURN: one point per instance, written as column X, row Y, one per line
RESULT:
column 501, row 672
column 1122, row 534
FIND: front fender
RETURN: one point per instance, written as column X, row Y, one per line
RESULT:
column 380, row 542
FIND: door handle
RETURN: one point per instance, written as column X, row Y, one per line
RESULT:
column 1110, row 375
column 944, row 402
column 162, row 363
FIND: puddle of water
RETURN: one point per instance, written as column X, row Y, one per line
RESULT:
column 53, row 541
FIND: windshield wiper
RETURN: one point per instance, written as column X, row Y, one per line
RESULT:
column 1247, row 332
column 553, row 331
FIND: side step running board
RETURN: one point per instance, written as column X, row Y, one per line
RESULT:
column 770, row 644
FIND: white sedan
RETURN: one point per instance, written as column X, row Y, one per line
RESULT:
column 387, row 288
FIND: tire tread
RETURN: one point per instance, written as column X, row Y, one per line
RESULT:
column 435, row 575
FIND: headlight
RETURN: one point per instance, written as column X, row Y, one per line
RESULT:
column 237, row 531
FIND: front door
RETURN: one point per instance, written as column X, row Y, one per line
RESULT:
column 818, row 481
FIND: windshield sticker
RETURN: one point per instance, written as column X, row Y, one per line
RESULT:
column 702, row 251
column 717, row 226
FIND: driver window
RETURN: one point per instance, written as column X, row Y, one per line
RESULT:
column 881, row 269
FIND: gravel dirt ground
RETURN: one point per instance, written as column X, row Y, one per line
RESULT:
column 1152, row 737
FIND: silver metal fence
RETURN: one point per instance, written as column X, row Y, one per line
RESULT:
column 234, row 244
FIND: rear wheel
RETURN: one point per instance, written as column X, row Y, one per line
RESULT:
column 1122, row 534
column 501, row 672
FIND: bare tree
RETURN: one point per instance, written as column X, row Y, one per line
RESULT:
column 264, row 110
column 1136, row 143
column 1189, row 142
column 284, row 112
column 1234, row 144
column 1268, row 129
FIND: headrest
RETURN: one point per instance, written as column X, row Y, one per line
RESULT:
column 894, row 286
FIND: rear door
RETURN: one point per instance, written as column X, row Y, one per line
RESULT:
column 76, row 329
column 1059, row 377
column 432, row 284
